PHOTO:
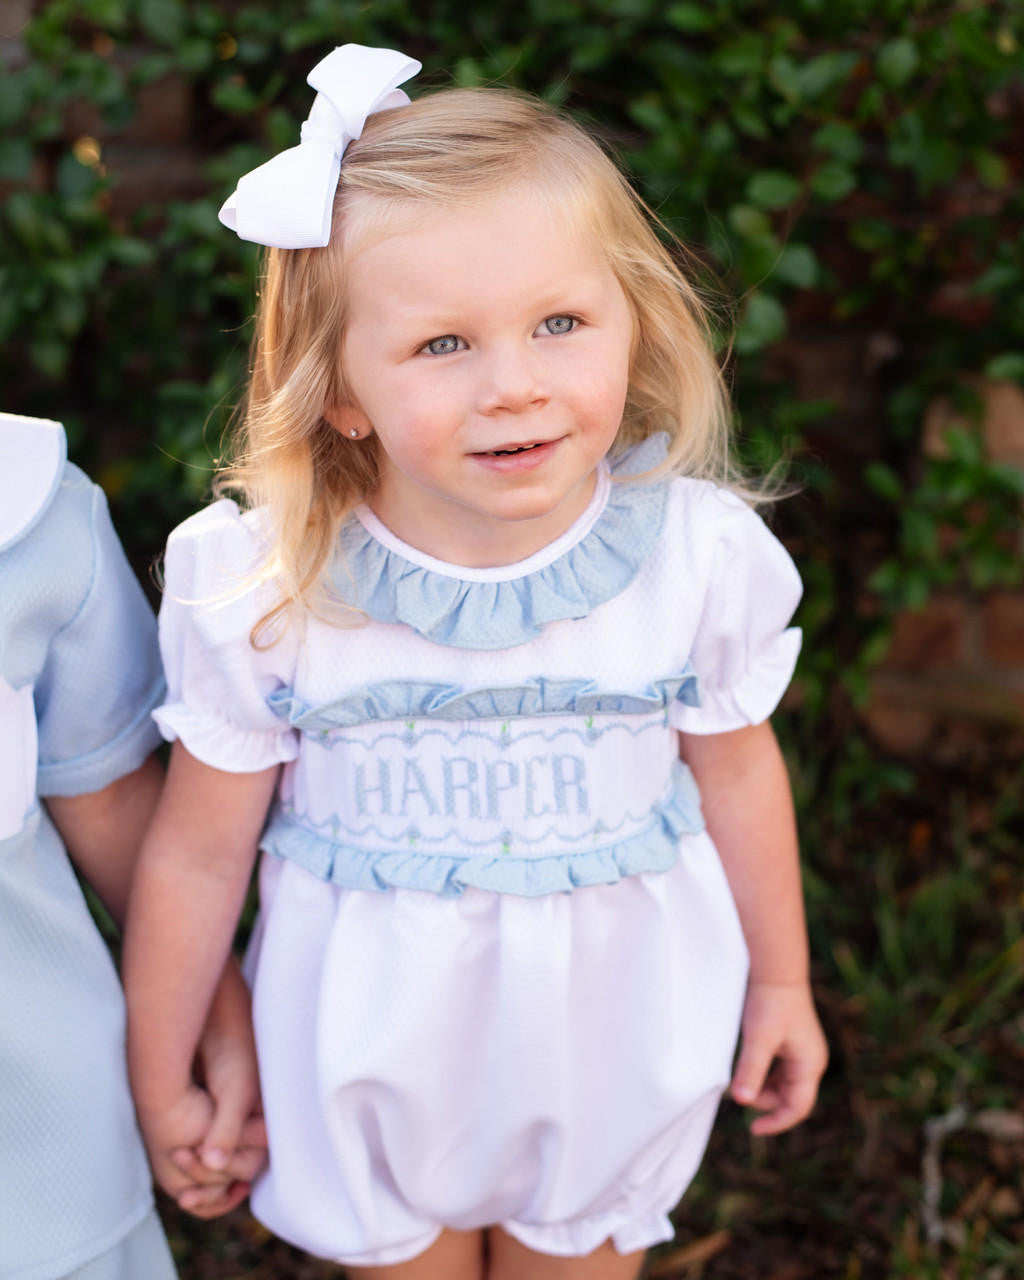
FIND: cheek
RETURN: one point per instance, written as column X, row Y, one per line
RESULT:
column 604, row 383
column 412, row 428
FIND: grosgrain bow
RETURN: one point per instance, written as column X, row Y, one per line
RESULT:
column 287, row 202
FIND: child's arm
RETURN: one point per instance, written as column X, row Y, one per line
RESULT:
column 748, row 809
column 102, row 831
column 188, row 892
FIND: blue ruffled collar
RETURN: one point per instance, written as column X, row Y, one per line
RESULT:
column 499, row 608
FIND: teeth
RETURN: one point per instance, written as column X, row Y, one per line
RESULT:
column 504, row 453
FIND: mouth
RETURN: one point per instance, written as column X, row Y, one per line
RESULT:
column 514, row 449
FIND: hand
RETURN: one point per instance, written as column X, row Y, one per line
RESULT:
column 782, row 1056
column 205, row 1155
column 173, row 1134
column 207, row 1145
column 208, row 1199
column 234, row 1147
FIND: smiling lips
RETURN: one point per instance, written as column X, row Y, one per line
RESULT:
column 514, row 449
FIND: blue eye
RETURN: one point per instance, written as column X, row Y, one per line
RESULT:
column 560, row 324
column 444, row 345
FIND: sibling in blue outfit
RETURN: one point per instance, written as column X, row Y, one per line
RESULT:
column 79, row 677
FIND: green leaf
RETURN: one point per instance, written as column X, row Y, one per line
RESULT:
column 197, row 56
column 749, row 121
column 884, row 481
column 997, row 278
column 163, row 20
column 784, row 77
column 833, row 181
column 15, row 159
column 719, row 139
column 235, row 97
column 818, row 75
column 897, row 61
column 763, row 322
column 468, row 73
column 772, row 189
column 689, row 17
column 105, row 13
column 649, row 112
column 992, row 169
column 840, row 141
column 798, row 266
column 919, row 534
column 130, row 252
column 15, row 96
column 743, row 57
column 917, row 588
column 1008, row 365
column 74, row 178
column 886, row 578
column 49, row 355
column 750, row 223
column 965, row 447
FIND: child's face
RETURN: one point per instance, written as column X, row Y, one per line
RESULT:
column 488, row 348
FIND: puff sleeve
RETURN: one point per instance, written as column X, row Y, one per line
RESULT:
column 744, row 652
column 217, row 682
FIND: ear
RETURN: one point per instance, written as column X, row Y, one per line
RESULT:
column 349, row 420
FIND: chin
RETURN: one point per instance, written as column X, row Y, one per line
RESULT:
column 523, row 511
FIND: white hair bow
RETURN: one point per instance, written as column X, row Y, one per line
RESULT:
column 287, row 202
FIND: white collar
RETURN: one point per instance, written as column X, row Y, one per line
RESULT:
column 32, row 456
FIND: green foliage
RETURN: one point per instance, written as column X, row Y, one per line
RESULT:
column 846, row 168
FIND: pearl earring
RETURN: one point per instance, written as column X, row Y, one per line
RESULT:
column 354, row 433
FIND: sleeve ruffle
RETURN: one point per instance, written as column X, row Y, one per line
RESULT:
column 744, row 651
column 218, row 741
column 217, row 682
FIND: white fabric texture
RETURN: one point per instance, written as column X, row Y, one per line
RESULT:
column 549, row 1063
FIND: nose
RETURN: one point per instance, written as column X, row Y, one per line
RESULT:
column 511, row 382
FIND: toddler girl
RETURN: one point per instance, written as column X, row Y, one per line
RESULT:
column 495, row 643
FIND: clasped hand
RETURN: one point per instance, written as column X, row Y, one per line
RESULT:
column 206, row 1145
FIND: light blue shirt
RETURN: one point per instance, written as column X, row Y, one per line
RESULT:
column 79, row 675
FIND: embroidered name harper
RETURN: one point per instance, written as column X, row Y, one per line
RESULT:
column 487, row 777
column 463, row 787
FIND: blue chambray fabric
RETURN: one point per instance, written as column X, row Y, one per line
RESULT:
column 75, row 628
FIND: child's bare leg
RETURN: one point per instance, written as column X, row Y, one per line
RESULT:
column 510, row 1260
column 454, row 1255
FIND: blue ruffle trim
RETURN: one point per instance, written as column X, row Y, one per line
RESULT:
column 427, row 700
column 497, row 615
column 653, row 849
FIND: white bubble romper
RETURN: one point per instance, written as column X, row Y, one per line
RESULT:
column 498, row 972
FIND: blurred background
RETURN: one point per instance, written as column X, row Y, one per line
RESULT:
column 849, row 173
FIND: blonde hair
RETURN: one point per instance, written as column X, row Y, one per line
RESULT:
column 456, row 146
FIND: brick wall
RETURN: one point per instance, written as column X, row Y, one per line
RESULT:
column 960, row 658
